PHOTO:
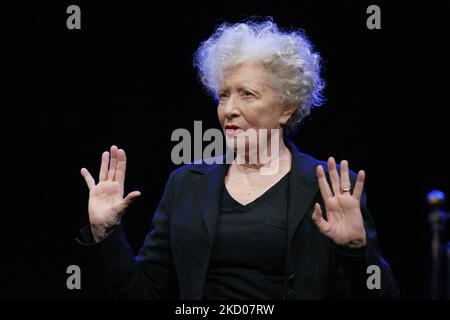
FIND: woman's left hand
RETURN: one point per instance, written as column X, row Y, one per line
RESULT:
column 344, row 224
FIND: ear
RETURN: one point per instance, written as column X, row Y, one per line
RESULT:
column 286, row 113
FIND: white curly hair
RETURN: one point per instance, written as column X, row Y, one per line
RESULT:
column 289, row 56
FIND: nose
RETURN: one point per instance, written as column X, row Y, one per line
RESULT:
column 231, row 107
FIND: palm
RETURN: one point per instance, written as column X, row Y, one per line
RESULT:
column 106, row 201
column 344, row 224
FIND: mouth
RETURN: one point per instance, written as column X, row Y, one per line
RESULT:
column 232, row 129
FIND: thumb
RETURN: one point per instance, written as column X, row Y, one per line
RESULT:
column 131, row 197
column 318, row 219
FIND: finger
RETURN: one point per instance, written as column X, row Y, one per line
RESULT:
column 121, row 166
column 345, row 178
column 334, row 176
column 359, row 185
column 318, row 219
column 323, row 183
column 131, row 197
column 88, row 178
column 112, row 164
column 104, row 167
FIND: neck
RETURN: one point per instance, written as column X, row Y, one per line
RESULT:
column 283, row 157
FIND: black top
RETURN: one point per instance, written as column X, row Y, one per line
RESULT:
column 248, row 256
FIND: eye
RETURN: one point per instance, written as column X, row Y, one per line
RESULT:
column 248, row 93
column 223, row 95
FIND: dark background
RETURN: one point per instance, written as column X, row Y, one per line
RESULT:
column 126, row 78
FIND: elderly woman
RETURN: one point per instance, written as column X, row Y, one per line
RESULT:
column 227, row 231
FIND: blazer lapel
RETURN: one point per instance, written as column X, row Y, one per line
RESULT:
column 209, row 188
column 303, row 188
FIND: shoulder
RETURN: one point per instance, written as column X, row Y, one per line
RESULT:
column 307, row 165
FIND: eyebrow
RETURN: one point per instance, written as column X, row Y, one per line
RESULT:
column 242, row 85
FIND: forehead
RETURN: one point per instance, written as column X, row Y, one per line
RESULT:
column 248, row 73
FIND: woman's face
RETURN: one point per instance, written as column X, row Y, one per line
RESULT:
column 248, row 101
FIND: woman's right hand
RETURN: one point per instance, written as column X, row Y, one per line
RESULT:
column 106, row 202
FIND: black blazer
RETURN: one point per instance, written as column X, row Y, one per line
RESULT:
column 173, row 262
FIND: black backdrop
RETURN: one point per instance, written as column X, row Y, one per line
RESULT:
column 126, row 78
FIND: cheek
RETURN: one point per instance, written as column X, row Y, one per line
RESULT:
column 262, row 117
column 220, row 114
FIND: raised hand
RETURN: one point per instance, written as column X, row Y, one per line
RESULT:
column 106, row 202
column 344, row 224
